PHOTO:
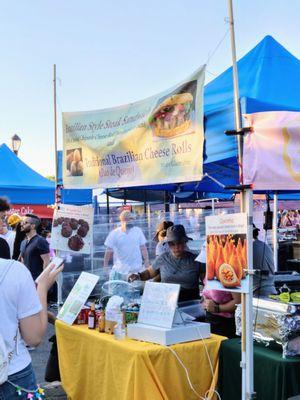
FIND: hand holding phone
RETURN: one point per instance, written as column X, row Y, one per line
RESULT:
column 57, row 261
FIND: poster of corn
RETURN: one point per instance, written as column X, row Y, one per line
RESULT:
column 153, row 141
column 226, row 252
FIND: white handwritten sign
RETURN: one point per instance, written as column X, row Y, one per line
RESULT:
column 159, row 303
column 77, row 297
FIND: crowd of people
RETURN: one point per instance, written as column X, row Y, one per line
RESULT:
column 26, row 275
column 289, row 219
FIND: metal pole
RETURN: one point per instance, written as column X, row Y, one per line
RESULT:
column 55, row 125
column 249, row 299
column 213, row 206
column 275, row 231
column 145, row 201
column 57, row 188
column 236, row 94
column 166, row 201
column 107, row 202
column 246, row 199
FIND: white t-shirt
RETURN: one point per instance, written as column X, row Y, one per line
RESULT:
column 9, row 236
column 126, row 248
column 18, row 299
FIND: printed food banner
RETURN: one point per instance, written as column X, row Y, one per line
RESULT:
column 226, row 252
column 271, row 151
column 154, row 141
column 72, row 229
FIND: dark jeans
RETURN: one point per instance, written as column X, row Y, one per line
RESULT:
column 221, row 325
column 25, row 379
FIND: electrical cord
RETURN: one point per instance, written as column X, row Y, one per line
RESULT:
column 209, row 392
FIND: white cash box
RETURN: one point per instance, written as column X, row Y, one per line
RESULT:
column 166, row 336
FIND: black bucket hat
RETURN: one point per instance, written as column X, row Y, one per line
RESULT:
column 176, row 233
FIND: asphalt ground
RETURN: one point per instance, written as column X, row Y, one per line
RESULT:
column 53, row 391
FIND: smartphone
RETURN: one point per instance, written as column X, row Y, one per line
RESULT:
column 57, row 261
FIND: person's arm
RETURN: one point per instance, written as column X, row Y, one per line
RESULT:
column 46, row 259
column 107, row 256
column 145, row 275
column 230, row 306
column 145, row 255
column 33, row 327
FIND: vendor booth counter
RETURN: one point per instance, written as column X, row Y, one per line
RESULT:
column 95, row 366
column 275, row 378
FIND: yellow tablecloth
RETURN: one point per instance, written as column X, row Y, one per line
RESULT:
column 95, row 366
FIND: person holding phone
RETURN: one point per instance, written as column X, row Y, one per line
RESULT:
column 23, row 310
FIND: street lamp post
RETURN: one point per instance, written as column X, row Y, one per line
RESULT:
column 15, row 144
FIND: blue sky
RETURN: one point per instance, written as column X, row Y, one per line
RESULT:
column 114, row 52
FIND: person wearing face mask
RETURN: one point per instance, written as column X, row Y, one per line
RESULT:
column 127, row 245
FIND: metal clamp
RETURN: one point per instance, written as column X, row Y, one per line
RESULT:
column 240, row 132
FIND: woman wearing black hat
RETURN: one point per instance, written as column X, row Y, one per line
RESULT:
column 176, row 266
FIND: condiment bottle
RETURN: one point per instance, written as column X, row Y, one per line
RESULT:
column 92, row 317
column 101, row 321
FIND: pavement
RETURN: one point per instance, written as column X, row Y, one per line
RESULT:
column 53, row 391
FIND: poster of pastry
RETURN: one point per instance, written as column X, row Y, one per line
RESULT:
column 72, row 228
column 226, row 252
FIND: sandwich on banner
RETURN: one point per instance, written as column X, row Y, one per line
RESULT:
column 153, row 141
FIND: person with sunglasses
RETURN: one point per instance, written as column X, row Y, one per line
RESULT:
column 176, row 266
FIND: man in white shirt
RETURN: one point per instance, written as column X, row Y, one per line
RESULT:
column 127, row 245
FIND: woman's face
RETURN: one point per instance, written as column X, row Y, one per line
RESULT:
column 177, row 249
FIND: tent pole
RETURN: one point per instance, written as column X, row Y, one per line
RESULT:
column 145, row 201
column 246, row 206
column 57, row 187
column 167, row 205
column 275, row 231
column 55, row 131
column 107, row 202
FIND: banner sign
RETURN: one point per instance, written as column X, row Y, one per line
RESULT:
column 271, row 152
column 40, row 210
column 154, row 141
column 72, row 228
column 226, row 252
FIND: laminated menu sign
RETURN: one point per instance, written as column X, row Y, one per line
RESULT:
column 226, row 252
column 72, row 228
column 77, row 297
column 159, row 303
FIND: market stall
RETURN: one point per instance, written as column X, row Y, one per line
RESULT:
column 95, row 366
column 275, row 378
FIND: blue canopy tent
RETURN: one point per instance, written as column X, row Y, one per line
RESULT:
column 269, row 80
column 20, row 183
column 23, row 185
